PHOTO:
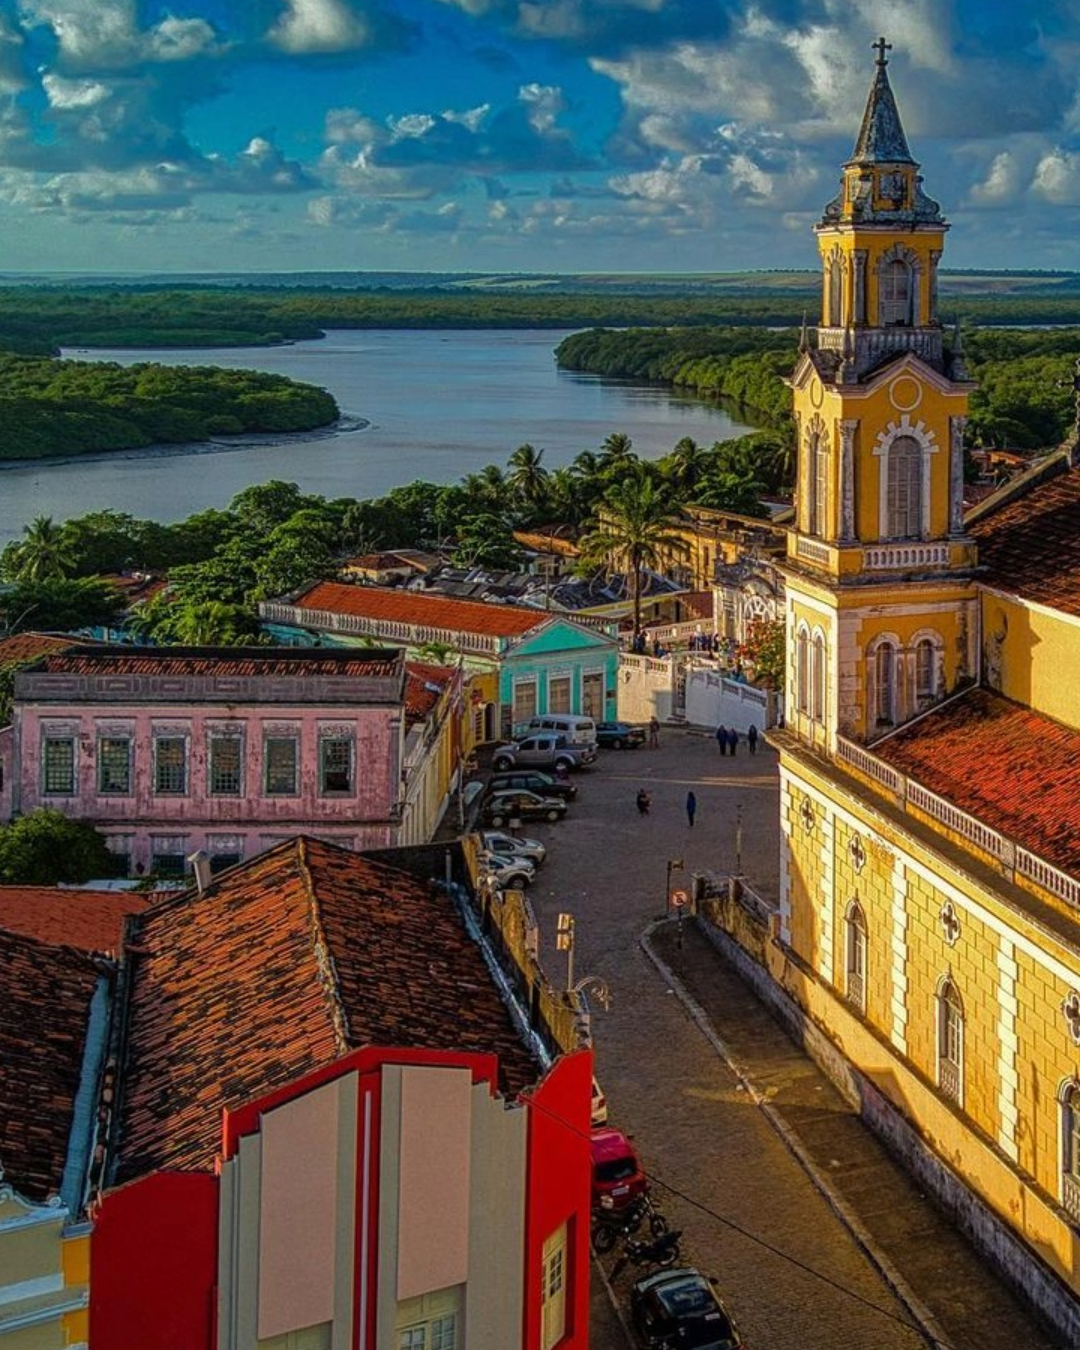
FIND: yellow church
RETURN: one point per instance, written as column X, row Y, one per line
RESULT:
column 930, row 764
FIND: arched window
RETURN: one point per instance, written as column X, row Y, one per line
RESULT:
column 802, row 681
column 1070, row 1148
column 836, row 293
column 904, row 489
column 950, row 1038
column 926, row 670
column 895, row 302
column 817, row 679
column 885, row 683
column 855, row 957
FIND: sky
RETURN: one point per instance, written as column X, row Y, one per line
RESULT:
column 517, row 135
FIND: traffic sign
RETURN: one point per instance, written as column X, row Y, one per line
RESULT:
column 679, row 899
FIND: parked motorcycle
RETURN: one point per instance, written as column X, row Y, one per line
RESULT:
column 610, row 1224
column 662, row 1251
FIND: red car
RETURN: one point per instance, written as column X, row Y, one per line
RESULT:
column 617, row 1175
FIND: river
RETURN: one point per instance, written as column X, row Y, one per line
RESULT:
column 424, row 404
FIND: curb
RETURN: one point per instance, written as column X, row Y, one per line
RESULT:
column 923, row 1320
column 614, row 1301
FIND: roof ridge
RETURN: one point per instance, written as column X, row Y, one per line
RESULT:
column 1051, row 466
column 324, row 959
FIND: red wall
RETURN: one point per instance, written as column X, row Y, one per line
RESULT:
column 559, row 1170
column 153, row 1264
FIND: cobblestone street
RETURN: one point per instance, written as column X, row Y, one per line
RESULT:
column 791, row 1272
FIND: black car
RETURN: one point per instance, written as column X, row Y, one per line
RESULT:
column 680, row 1310
column 531, row 780
column 507, row 806
column 619, row 735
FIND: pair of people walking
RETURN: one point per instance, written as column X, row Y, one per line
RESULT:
column 727, row 738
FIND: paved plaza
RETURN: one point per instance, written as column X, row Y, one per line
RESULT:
column 793, row 1274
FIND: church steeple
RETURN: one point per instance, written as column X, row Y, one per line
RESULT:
column 881, row 136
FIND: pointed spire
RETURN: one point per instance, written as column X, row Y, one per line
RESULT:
column 958, row 367
column 881, row 136
column 957, row 338
column 847, row 374
column 804, row 340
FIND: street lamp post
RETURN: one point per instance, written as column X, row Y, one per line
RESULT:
column 564, row 942
column 673, row 865
column 603, row 996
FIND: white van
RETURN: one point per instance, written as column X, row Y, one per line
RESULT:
column 577, row 730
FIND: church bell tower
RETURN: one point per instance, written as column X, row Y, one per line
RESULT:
column 880, row 608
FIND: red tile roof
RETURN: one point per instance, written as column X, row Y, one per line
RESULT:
column 1012, row 768
column 283, row 965
column 21, row 648
column 45, row 995
column 92, row 921
column 420, row 699
column 1031, row 546
column 423, row 611
column 222, row 661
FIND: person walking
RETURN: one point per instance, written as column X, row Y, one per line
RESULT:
column 691, row 808
column 654, row 733
column 721, row 738
column 733, row 741
column 751, row 739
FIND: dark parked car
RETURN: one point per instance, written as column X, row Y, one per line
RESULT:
column 506, row 806
column 619, row 735
column 531, row 780
column 680, row 1310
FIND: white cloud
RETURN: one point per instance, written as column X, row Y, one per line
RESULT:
column 73, row 94
column 1057, row 177
column 319, row 26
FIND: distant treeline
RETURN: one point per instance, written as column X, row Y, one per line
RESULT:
column 50, row 407
column 1024, row 397
column 40, row 319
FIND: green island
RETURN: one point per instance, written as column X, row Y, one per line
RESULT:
column 50, row 407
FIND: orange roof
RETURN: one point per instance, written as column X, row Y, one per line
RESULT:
column 222, row 661
column 21, row 648
column 1031, row 546
column 93, row 921
column 44, row 1016
column 381, row 603
column 282, row 965
column 1012, row 768
column 419, row 698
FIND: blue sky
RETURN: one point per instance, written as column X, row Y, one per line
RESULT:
column 517, row 135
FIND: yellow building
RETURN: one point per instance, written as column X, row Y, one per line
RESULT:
column 930, row 767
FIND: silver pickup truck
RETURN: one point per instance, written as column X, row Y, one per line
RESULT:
column 542, row 752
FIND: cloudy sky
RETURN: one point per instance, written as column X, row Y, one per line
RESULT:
column 524, row 135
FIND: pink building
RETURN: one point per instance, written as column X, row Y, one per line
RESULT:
column 227, row 750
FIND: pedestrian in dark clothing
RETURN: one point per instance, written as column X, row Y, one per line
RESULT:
column 751, row 739
column 733, row 741
column 721, row 739
column 691, row 807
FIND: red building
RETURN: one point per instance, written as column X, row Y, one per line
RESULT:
column 326, row 1131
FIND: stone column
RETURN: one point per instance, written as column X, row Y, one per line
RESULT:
column 935, row 258
column 860, row 285
column 847, row 480
column 956, row 474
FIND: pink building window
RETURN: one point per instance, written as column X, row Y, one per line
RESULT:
column 336, row 764
column 279, row 762
column 225, row 766
column 58, row 766
column 170, row 766
column 114, row 766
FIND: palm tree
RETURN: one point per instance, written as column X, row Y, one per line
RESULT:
column 44, row 552
column 617, row 451
column 214, row 624
column 527, row 475
column 633, row 530
column 487, row 487
column 687, row 465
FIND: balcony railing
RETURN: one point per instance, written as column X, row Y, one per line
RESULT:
column 1070, row 1194
column 949, row 1079
column 902, row 557
column 855, row 993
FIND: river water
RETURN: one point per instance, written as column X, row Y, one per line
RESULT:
column 422, row 404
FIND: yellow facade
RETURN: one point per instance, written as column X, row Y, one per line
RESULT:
column 44, row 1277
column 945, row 969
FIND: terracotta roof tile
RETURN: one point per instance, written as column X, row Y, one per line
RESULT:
column 45, row 995
column 412, row 607
column 92, row 921
column 283, row 965
column 419, row 698
column 21, row 648
column 1012, row 768
column 1031, row 546
column 221, row 661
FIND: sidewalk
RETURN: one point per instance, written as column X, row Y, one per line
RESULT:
column 935, row 1272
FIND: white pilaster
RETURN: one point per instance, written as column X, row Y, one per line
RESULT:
column 1008, row 1081
column 899, row 953
column 828, row 905
column 785, row 861
column 956, row 474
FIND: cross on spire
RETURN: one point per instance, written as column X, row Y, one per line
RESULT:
column 881, row 47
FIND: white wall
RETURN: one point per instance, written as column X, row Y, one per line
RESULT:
column 712, row 701
column 646, row 688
